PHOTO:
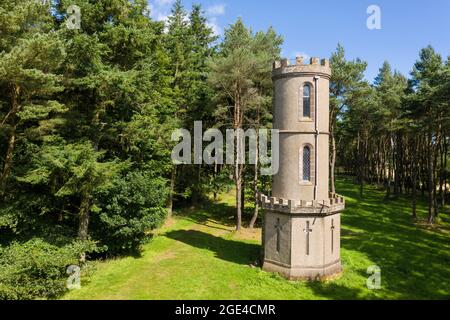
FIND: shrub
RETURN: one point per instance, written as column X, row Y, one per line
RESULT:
column 36, row 269
column 135, row 205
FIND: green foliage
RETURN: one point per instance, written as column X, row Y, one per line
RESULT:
column 37, row 268
column 396, row 131
column 85, row 123
column 241, row 76
column 127, row 211
column 201, row 256
column 86, row 118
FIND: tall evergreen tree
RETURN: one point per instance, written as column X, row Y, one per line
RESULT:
column 345, row 76
column 239, row 74
column 426, row 79
column 31, row 54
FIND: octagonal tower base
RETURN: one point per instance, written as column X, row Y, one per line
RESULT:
column 301, row 241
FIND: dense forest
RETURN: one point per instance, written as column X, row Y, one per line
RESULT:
column 87, row 116
column 395, row 132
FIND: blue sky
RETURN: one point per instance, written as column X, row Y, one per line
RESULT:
column 314, row 27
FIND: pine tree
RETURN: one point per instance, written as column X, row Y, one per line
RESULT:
column 189, row 45
column 240, row 73
column 266, row 48
column 345, row 76
column 31, row 54
column 426, row 78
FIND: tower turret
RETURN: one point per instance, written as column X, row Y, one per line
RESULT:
column 301, row 236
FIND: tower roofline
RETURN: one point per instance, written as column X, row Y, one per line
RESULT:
column 284, row 67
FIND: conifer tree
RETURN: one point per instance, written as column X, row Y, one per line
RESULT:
column 240, row 74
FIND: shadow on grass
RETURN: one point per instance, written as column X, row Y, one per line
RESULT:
column 334, row 291
column 228, row 250
column 220, row 214
column 414, row 261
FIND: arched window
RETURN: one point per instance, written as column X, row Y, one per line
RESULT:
column 306, row 163
column 307, row 101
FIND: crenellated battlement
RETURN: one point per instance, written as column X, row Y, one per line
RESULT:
column 335, row 203
column 315, row 66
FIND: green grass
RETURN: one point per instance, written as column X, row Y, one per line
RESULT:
column 199, row 256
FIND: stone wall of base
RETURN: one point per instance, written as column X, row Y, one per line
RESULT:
column 302, row 246
column 297, row 273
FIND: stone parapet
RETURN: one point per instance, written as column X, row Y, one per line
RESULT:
column 317, row 67
column 335, row 203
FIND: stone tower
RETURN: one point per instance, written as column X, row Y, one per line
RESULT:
column 301, row 232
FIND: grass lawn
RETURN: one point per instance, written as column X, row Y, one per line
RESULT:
column 198, row 255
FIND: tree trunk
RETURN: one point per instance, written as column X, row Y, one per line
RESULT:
column 444, row 195
column 442, row 172
column 8, row 163
column 414, row 180
column 377, row 165
column 255, row 184
column 171, row 192
column 435, row 202
column 430, row 180
column 237, row 124
column 333, row 155
column 195, row 199
column 360, row 167
column 83, row 225
column 243, row 199
column 12, row 139
column 396, row 164
column 383, row 163
column 390, row 170
column 215, row 177
column 238, row 197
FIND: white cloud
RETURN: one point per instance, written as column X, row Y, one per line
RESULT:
column 162, row 17
column 163, row 3
column 216, row 10
column 160, row 9
column 212, row 13
column 214, row 25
